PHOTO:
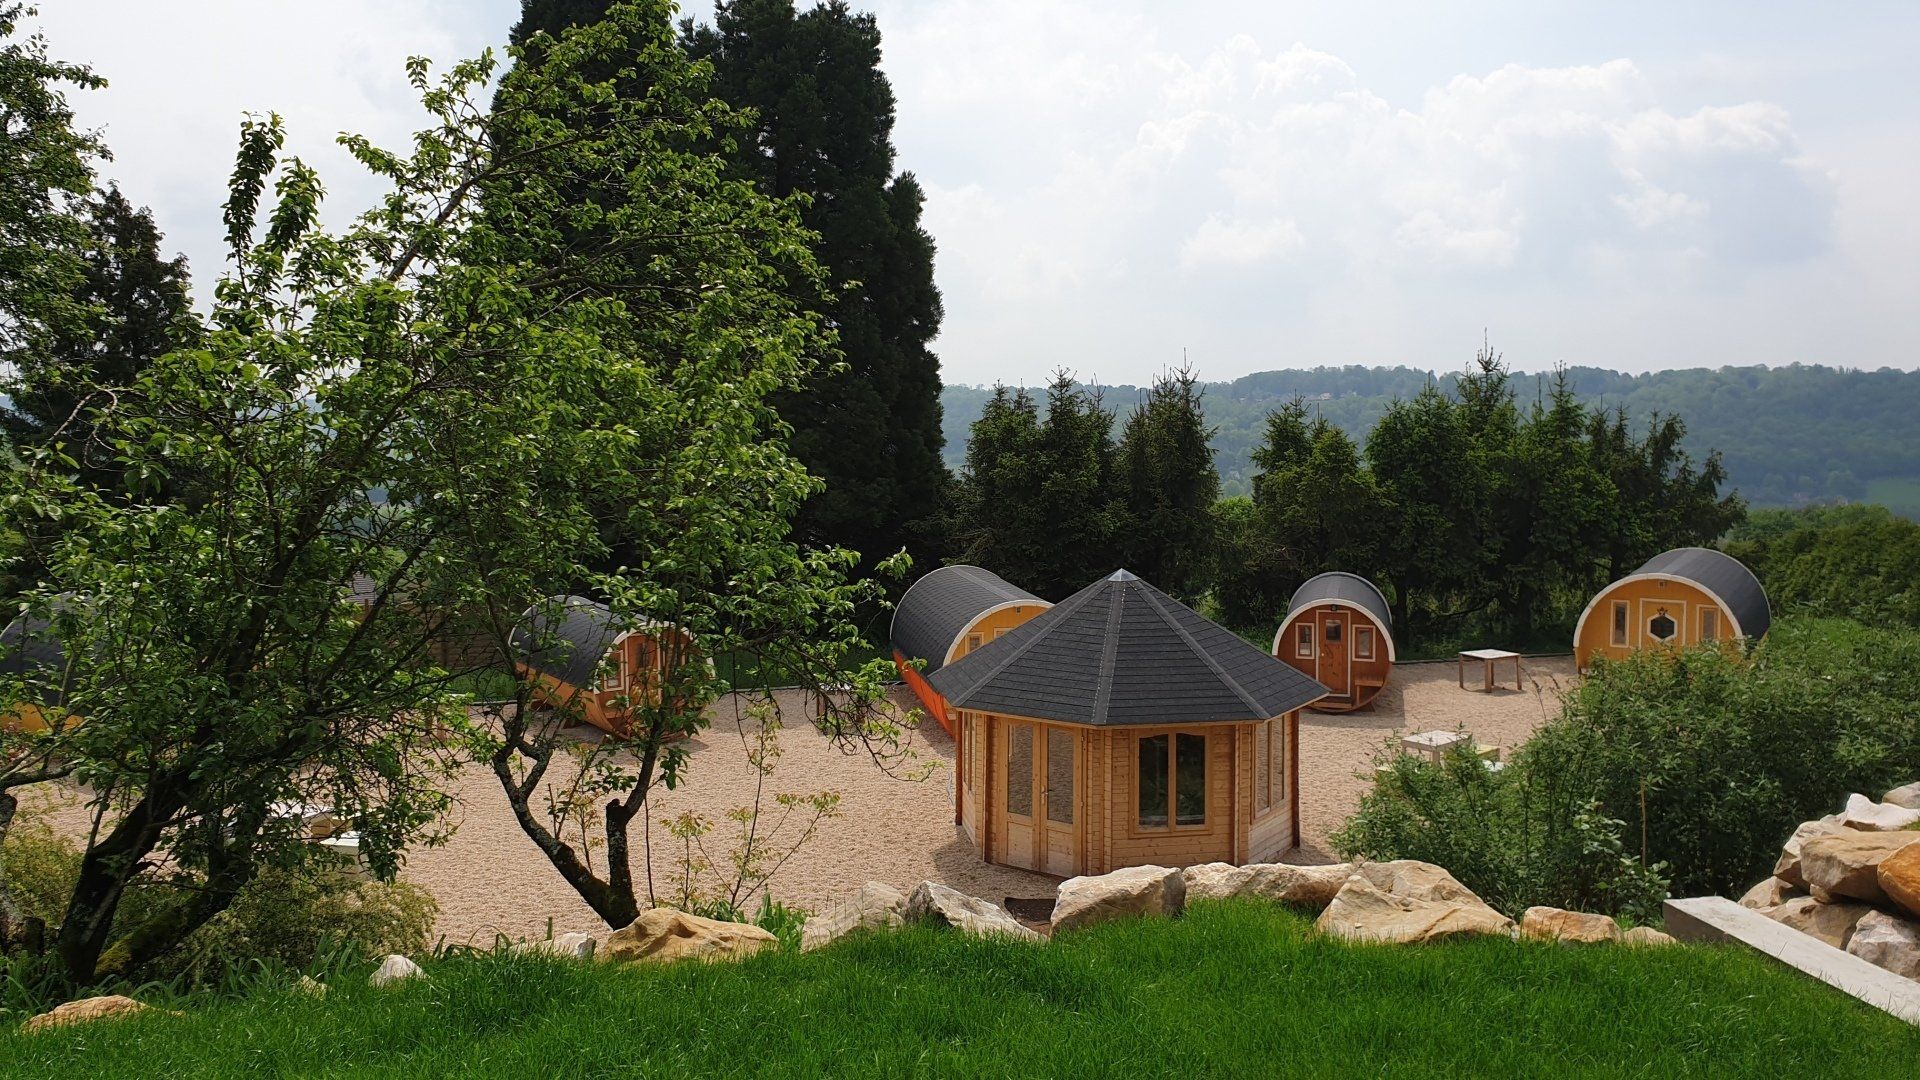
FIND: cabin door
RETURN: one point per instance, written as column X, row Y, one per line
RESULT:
column 1336, row 654
column 1040, row 780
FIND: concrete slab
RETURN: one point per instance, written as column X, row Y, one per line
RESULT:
column 1712, row 919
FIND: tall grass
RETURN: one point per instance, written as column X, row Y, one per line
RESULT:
column 1229, row 990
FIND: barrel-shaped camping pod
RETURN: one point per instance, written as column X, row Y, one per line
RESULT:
column 946, row 615
column 1122, row 728
column 578, row 655
column 1677, row 599
column 1339, row 630
column 33, row 661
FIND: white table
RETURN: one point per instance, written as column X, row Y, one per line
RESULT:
column 1488, row 658
column 1432, row 744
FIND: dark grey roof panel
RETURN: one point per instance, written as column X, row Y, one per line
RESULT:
column 28, row 650
column 1121, row 652
column 1725, row 577
column 565, row 637
column 1340, row 587
column 946, row 601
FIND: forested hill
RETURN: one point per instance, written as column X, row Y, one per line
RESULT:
column 1789, row 435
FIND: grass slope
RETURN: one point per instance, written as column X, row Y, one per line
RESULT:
column 1230, row 990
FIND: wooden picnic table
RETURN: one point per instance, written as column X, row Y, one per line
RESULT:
column 1488, row 658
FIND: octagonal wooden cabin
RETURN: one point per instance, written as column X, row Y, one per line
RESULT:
column 578, row 654
column 1122, row 728
column 1339, row 630
column 1680, row 598
column 947, row 614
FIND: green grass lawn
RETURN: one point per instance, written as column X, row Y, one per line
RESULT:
column 1229, row 990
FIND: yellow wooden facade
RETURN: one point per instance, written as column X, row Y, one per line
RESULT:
column 1626, row 617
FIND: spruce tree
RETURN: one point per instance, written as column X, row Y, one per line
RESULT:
column 1169, row 485
column 823, row 129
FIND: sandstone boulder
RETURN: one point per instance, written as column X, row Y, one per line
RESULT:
column 933, row 902
column 1907, row 796
column 1788, row 868
column 1647, row 935
column 1362, row 911
column 1770, row 893
column 578, row 945
column 309, row 986
column 1831, row 923
column 1415, row 880
column 1307, row 886
column 1866, row 815
column 1558, row 924
column 663, row 935
column 1847, row 864
column 106, row 1007
column 1125, row 893
column 873, row 907
column 395, row 968
column 1888, row 941
column 1899, row 878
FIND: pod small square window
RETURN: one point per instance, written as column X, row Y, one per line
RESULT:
column 1304, row 640
column 1619, row 623
column 1709, row 624
column 1363, row 642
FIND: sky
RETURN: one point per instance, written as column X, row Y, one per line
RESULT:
column 1116, row 185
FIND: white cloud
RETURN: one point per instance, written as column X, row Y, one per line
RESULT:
column 1225, row 241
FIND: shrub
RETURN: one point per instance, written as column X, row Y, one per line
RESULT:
column 1496, row 832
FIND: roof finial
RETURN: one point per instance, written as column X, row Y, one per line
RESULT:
column 1122, row 575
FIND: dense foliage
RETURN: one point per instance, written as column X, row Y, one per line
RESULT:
column 1856, row 561
column 1227, row 990
column 1788, row 435
column 1699, row 765
column 815, row 129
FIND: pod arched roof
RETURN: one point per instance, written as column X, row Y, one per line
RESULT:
column 1122, row 652
column 1340, row 587
column 565, row 637
column 940, row 606
column 1715, row 573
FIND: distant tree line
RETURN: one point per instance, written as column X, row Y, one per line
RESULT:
column 1475, row 512
column 1860, row 562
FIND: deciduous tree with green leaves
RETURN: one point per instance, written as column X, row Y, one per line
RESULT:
column 393, row 429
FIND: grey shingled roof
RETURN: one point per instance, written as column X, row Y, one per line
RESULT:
column 945, row 602
column 28, row 650
column 1722, row 575
column 1122, row 652
column 1340, row 587
column 565, row 637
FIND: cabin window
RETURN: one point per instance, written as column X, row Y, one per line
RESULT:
column 1277, row 737
column 1153, row 762
column 1189, row 779
column 1303, row 646
column 999, row 632
column 1709, row 624
column 1333, row 632
column 1263, row 767
column 1619, row 623
column 1020, row 770
column 1363, row 642
column 1060, row 776
column 1662, row 627
column 611, row 680
column 973, row 642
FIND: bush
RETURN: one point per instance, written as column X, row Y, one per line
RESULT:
column 1496, row 832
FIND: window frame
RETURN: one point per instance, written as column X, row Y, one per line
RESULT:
column 1172, row 735
column 1709, row 614
column 1304, row 644
column 1363, row 642
column 1620, row 629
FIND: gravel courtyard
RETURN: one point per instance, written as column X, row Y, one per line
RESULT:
column 490, row 878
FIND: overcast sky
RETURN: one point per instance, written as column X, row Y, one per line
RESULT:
column 1260, row 184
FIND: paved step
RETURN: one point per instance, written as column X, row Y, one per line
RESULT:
column 1717, row 919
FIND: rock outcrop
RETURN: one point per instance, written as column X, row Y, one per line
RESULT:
column 395, row 969
column 577, row 945
column 662, row 935
column 1788, row 868
column 1907, row 795
column 1866, row 815
column 1415, row 880
column 86, row 1010
column 1123, row 894
column 1307, row 886
column 1831, row 923
column 875, row 906
column 1899, row 878
column 1889, row 941
column 1770, row 893
column 1847, row 864
column 933, row 902
column 1363, row 911
column 1558, row 924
